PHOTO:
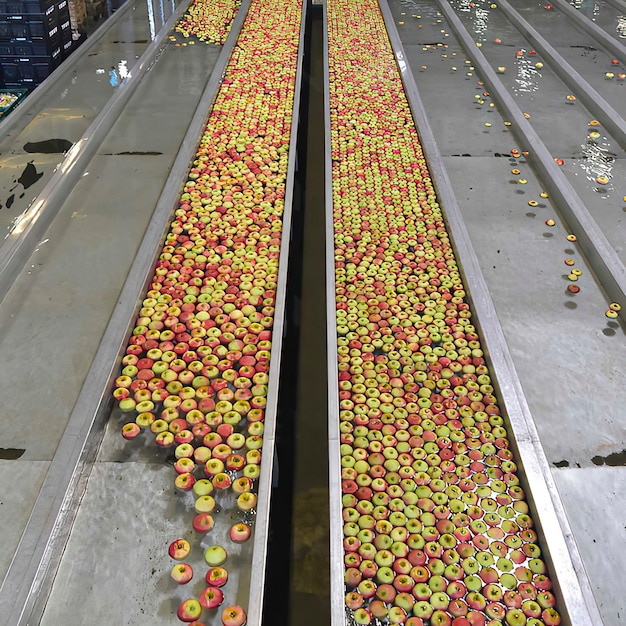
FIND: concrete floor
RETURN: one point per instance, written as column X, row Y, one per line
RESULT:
column 563, row 347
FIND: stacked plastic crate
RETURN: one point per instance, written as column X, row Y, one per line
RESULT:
column 35, row 36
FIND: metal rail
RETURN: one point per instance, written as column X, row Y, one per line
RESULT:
column 261, row 531
column 33, row 223
column 337, row 607
column 596, row 104
column 565, row 561
column 28, row 582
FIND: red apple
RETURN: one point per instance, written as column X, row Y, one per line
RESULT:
column 234, row 616
column 211, row 597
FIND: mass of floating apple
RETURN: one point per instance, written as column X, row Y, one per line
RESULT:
column 208, row 20
column 436, row 527
column 195, row 372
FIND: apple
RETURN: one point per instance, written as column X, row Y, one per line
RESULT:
column 405, row 601
column 440, row 618
column 131, row 430
column 216, row 577
column 550, row 617
column 234, row 616
column 386, row 593
column 215, row 555
column 246, row 501
column 179, row 549
column 240, row 532
column 396, row 615
column 423, row 610
column 182, row 573
column 378, row 609
column 202, row 523
column 189, row 610
column 211, row 597
column 204, row 504
column 362, row 616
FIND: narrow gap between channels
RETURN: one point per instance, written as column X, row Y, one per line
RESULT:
column 298, row 572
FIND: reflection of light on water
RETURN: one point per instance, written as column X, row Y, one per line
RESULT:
column 527, row 75
column 621, row 26
column 122, row 69
column 151, row 20
column 481, row 21
column 480, row 17
column 598, row 161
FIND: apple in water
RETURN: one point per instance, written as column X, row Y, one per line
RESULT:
column 234, row 616
column 211, row 597
column 182, row 573
column 240, row 532
column 202, row 523
column 362, row 616
column 215, row 555
column 246, row 501
column 179, row 549
column 131, row 430
column 217, row 576
column 189, row 610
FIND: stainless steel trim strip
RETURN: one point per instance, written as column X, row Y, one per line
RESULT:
column 565, row 561
column 599, row 34
column 26, row 587
column 261, row 531
column 337, row 587
column 602, row 257
column 610, row 118
column 30, row 228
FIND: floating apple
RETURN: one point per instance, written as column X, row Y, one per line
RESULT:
column 182, row 573
column 211, row 597
column 217, row 577
column 179, row 549
column 240, row 532
column 234, row 616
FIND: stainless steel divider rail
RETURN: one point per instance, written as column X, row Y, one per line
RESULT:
column 28, row 582
column 259, row 557
column 609, row 117
column 34, row 222
column 600, row 35
column 337, row 606
column 609, row 269
column 578, row 603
